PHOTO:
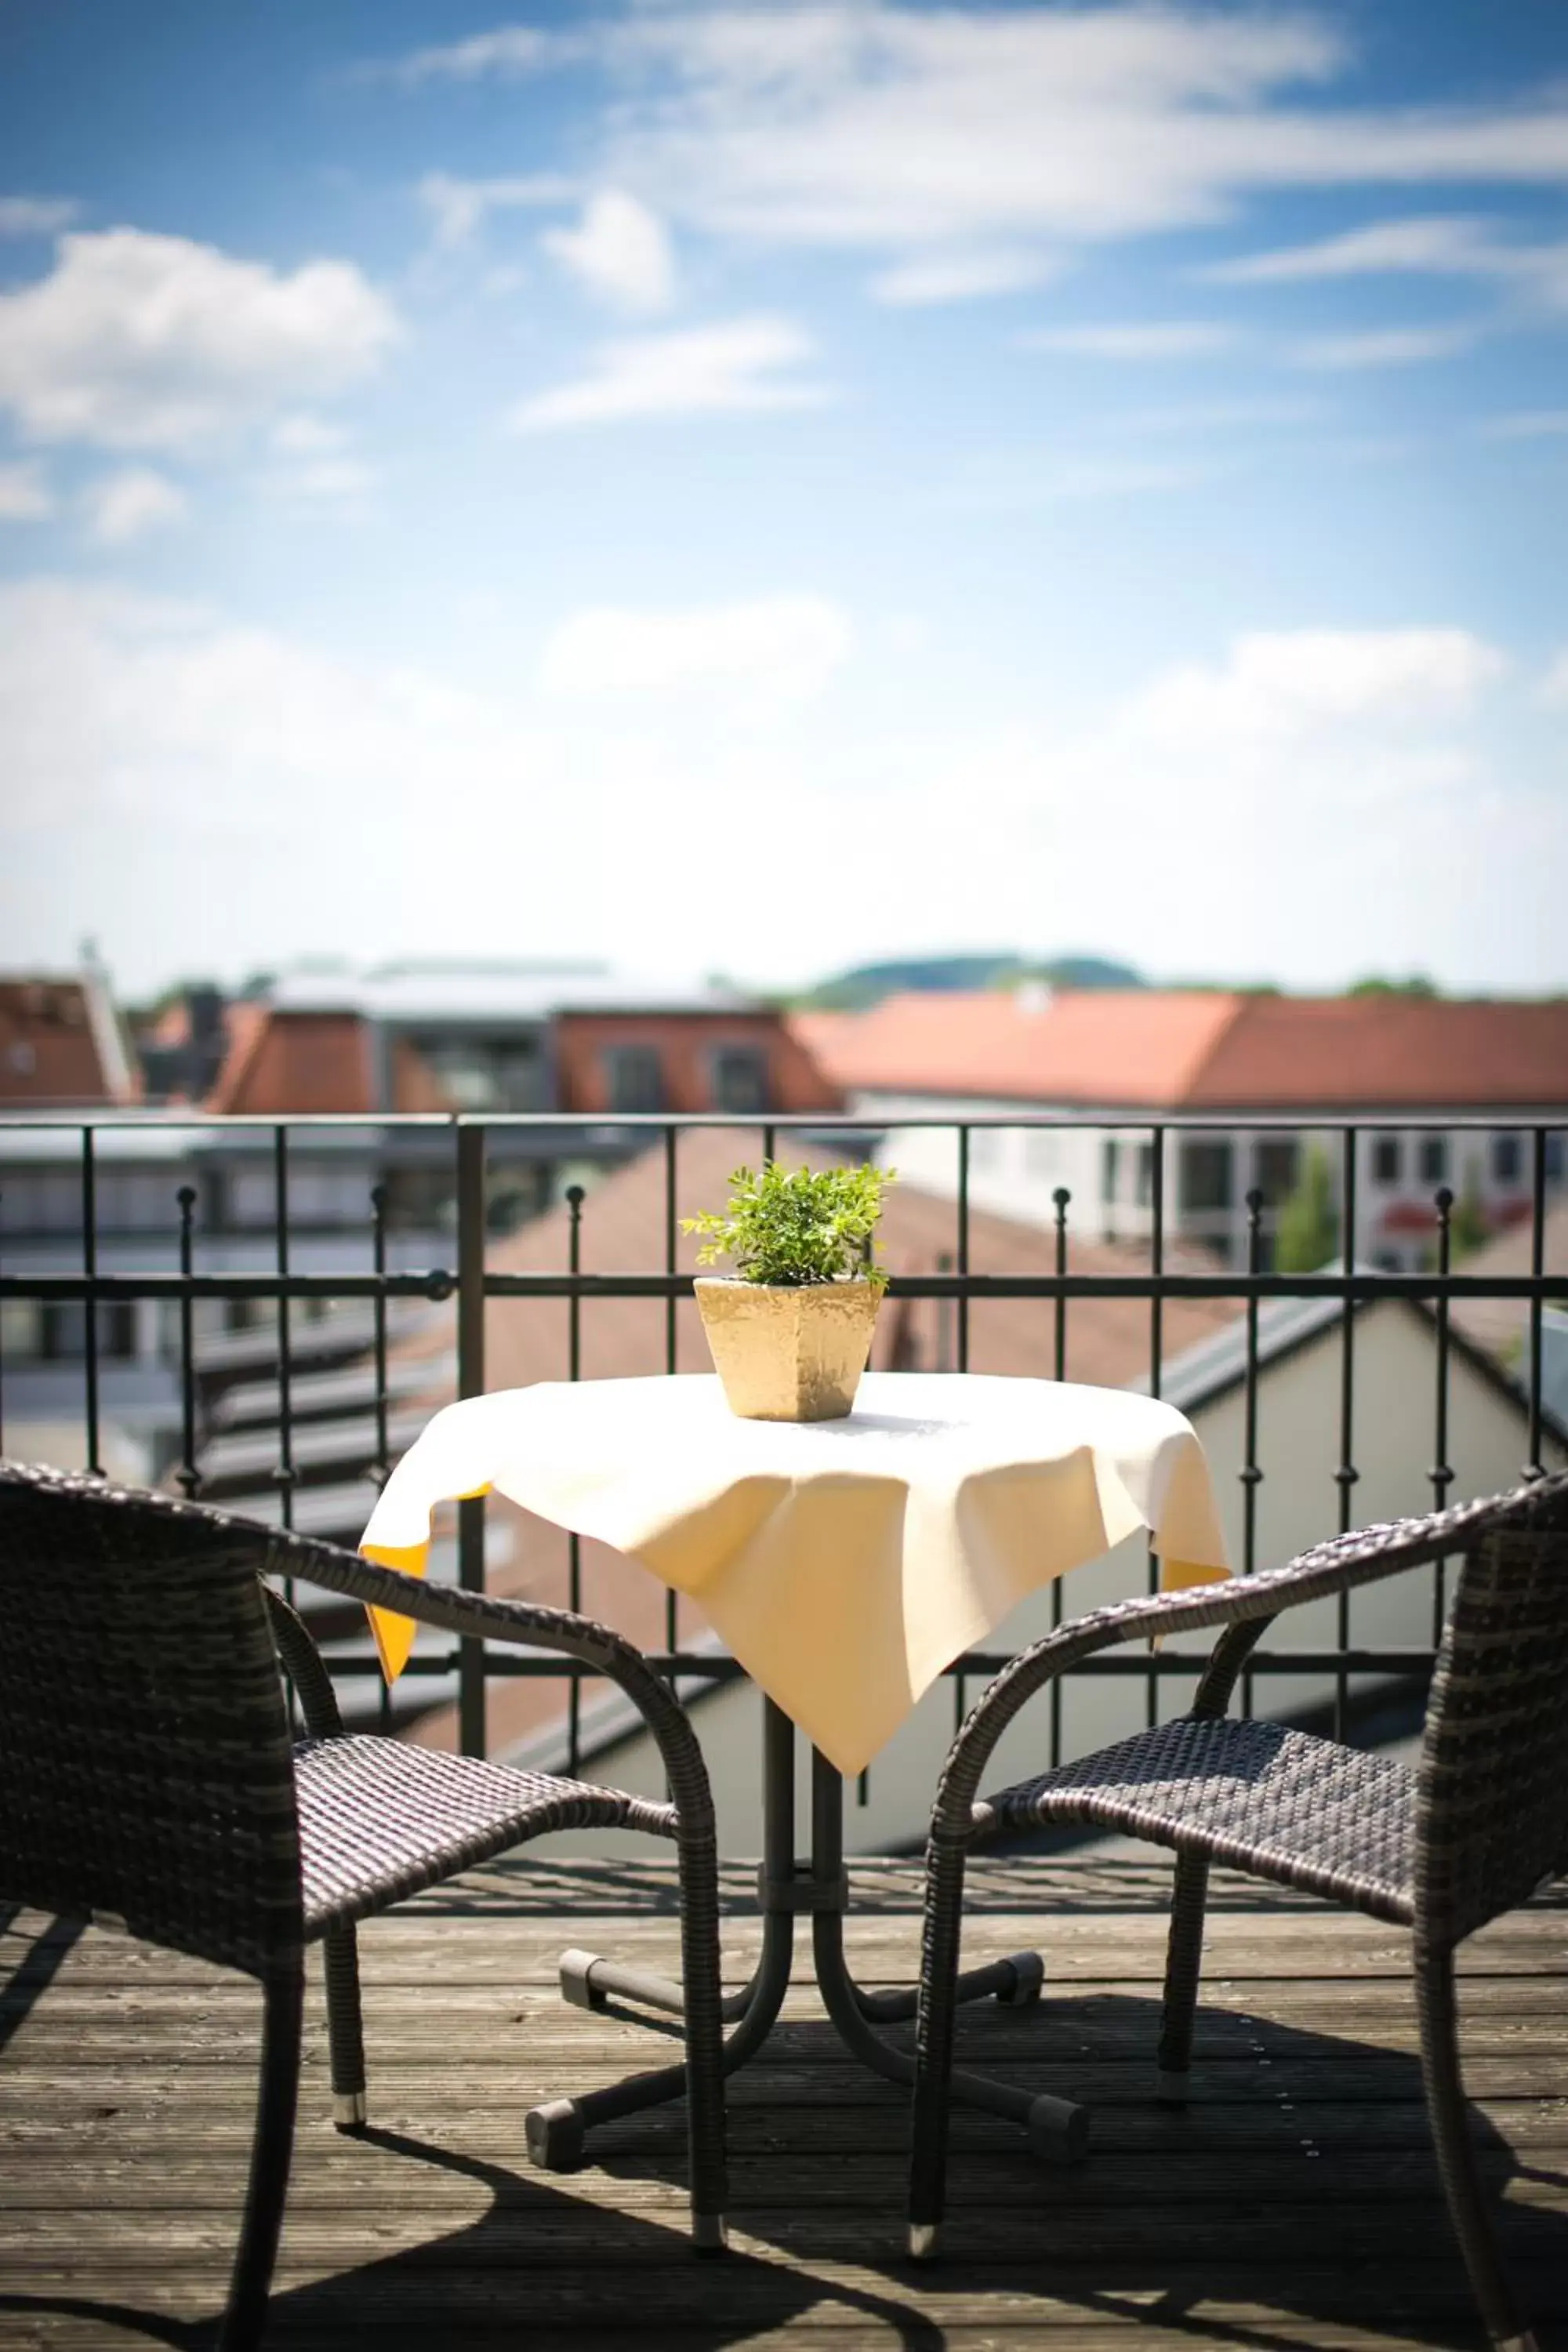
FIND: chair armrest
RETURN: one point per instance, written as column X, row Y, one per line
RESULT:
column 303, row 1665
column 478, row 1616
column 1246, row 1605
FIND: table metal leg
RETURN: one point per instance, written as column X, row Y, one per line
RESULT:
column 787, row 1888
column 1058, row 2129
column 555, row 2130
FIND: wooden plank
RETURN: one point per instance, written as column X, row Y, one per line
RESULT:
column 127, row 2081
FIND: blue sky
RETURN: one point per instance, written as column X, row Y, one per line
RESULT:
column 750, row 489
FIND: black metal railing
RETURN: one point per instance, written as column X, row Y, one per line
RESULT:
column 364, row 1271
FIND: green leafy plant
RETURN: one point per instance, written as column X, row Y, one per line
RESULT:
column 794, row 1226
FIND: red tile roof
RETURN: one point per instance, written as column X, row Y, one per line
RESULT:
column 1198, row 1051
column 1393, row 1053
column 59, row 1045
column 280, row 1062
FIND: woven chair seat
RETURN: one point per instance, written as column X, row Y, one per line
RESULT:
column 1280, row 1804
column 379, row 1820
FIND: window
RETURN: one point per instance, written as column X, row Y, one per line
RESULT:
column 1275, row 1162
column 486, row 1073
column 1109, row 1168
column 739, row 1079
column 1556, row 1155
column 1387, row 1160
column 1432, row 1159
column 634, row 1077
column 21, row 1328
column 1145, row 1179
column 1507, row 1160
column 1207, row 1177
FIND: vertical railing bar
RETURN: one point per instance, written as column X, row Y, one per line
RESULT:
column 963, row 1316
column 671, row 1605
column 1251, row 1475
column 1156, row 1353
column 1345, row 1476
column 2, row 1357
column 381, row 1468
column 284, row 1474
column 1059, row 1360
column 90, row 1304
column 1535, row 1468
column 190, row 1476
column 471, row 1736
column 1442, row 1475
column 574, row 1541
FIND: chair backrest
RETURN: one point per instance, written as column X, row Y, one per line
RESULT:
column 146, row 1769
column 1491, row 1819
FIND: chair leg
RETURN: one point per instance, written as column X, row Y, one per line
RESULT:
column 1445, row 2104
column 700, row 1969
column 282, row 2016
column 1184, row 1960
column 345, row 2036
column 935, row 2020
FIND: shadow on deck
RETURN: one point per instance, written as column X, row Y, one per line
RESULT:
column 1295, row 2202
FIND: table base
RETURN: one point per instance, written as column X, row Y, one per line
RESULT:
column 787, row 1890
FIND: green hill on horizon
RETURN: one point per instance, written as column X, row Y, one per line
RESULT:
column 867, row 984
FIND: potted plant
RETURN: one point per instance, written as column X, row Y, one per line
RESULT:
column 791, row 1330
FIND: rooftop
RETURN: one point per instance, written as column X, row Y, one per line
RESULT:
column 1196, row 1051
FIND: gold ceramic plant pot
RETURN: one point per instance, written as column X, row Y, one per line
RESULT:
column 788, row 1354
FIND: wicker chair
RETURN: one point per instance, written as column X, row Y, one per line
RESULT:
column 1469, row 1834
column 148, row 1780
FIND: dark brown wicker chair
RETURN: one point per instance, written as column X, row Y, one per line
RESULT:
column 149, row 1779
column 1470, row 1832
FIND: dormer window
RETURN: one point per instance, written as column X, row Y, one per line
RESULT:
column 633, row 1078
column 739, row 1079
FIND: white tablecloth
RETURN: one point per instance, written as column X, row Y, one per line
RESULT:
column 845, row 1563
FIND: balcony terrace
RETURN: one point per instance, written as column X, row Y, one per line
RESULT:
column 1295, row 2202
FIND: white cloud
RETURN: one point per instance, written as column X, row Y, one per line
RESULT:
column 900, row 130
column 124, row 506
column 620, row 250
column 742, row 366
column 25, row 494
column 1535, row 276
column 1293, row 682
column 137, row 342
column 1555, row 685
column 1151, row 339
column 959, row 277
column 36, row 215
column 1376, row 347
column 1526, row 425
column 1437, row 246
column 185, row 756
column 324, row 481
column 1008, row 482
column 507, row 53
column 782, row 647
column 302, row 435
column 459, row 208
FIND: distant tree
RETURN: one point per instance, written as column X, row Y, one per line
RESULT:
column 1308, row 1235
column 1467, row 1226
column 1417, row 984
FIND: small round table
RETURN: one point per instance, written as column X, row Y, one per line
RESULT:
column 846, row 1564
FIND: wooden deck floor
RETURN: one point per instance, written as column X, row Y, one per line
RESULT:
column 1296, row 2203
